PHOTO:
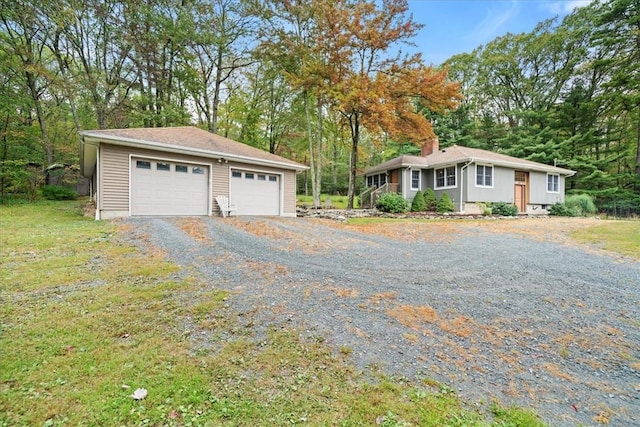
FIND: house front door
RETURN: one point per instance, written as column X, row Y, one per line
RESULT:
column 520, row 191
column 520, row 199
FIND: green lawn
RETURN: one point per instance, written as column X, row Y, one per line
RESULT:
column 86, row 319
column 617, row 236
column 338, row 202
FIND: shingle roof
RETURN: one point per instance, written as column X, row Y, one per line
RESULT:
column 191, row 140
column 456, row 154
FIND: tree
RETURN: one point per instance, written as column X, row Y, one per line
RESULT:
column 418, row 203
column 445, row 204
column 370, row 88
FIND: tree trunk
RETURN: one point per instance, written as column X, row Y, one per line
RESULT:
column 354, row 123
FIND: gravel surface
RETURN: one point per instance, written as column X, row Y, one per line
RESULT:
column 493, row 311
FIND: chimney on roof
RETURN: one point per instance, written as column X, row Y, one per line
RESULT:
column 430, row 146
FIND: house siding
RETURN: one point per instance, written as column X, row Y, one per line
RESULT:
column 114, row 185
column 502, row 190
column 538, row 191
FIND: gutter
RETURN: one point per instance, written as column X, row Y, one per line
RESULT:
column 130, row 142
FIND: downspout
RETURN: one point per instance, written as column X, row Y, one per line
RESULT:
column 98, row 183
column 462, row 183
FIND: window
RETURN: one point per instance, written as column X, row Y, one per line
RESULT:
column 262, row 178
column 484, row 176
column 415, row 180
column 273, row 178
column 370, row 181
column 143, row 165
column 236, row 174
column 376, row 182
column 446, row 177
column 552, row 183
column 182, row 168
column 163, row 166
column 197, row 170
column 248, row 175
column 383, row 179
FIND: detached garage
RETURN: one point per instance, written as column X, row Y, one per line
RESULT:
column 180, row 171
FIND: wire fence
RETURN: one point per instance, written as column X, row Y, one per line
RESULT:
column 621, row 209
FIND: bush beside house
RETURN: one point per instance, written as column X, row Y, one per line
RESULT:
column 430, row 200
column 445, row 204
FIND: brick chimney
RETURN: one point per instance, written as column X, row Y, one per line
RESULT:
column 430, row 146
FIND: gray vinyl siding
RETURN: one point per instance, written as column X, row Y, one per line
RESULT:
column 538, row 190
column 502, row 190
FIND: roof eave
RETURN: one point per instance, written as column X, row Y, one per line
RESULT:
column 139, row 143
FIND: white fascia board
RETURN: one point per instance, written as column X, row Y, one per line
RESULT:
column 130, row 142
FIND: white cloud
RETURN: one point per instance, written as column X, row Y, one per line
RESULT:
column 563, row 7
column 494, row 21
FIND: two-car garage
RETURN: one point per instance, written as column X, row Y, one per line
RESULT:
column 169, row 188
column 183, row 171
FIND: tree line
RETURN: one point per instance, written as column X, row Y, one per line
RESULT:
column 324, row 82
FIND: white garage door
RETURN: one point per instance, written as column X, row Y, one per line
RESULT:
column 255, row 193
column 168, row 188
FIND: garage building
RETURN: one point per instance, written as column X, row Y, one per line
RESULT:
column 180, row 171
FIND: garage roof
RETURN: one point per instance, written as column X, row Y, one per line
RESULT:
column 185, row 140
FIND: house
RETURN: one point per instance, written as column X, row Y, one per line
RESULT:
column 471, row 177
column 180, row 171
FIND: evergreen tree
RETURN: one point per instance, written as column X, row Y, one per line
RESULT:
column 418, row 204
column 445, row 204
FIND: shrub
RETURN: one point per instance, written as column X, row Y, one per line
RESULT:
column 560, row 209
column 55, row 192
column 581, row 204
column 445, row 204
column 504, row 209
column 430, row 200
column 392, row 203
column 418, row 204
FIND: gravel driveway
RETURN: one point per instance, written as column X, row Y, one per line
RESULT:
column 490, row 313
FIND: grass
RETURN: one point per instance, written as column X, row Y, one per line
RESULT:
column 87, row 318
column 622, row 237
column 338, row 202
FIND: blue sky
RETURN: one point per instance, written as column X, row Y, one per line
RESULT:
column 456, row 26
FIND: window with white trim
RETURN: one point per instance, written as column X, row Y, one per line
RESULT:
column 415, row 180
column 484, row 176
column 446, row 177
column 553, row 182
